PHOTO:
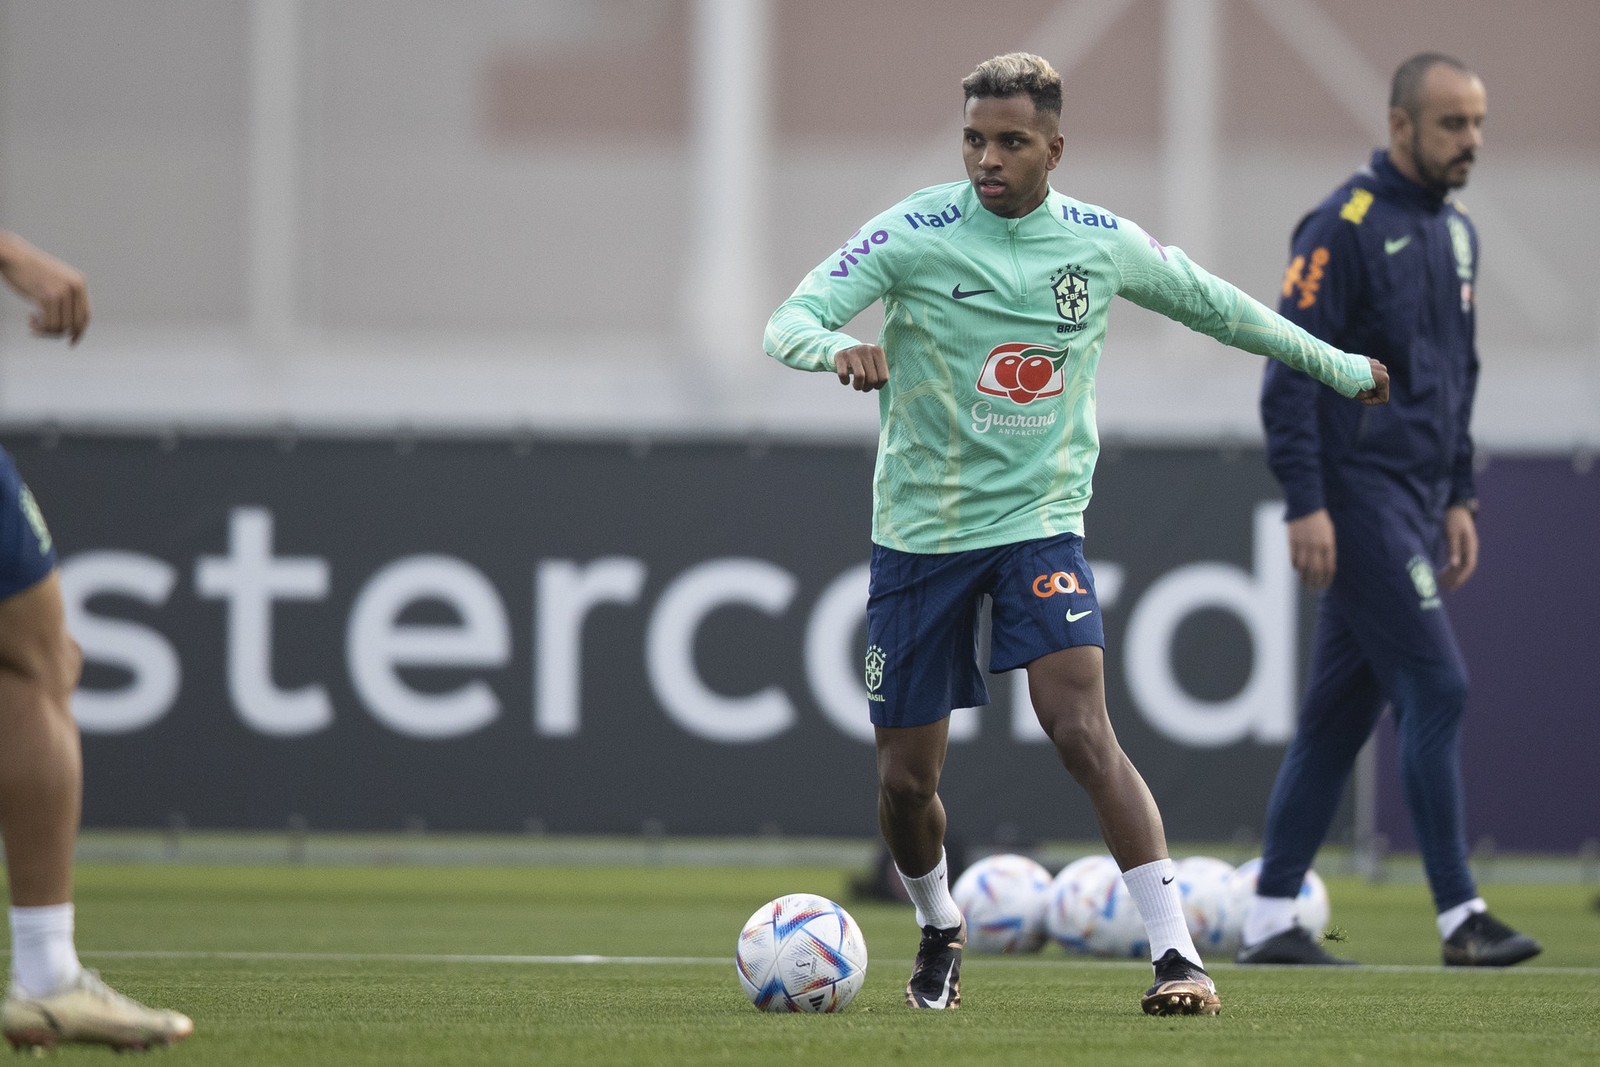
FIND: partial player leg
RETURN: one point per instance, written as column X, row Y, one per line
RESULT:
column 922, row 614
column 1430, row 700
column 41, row 770
column 1068, row 692
column 911, row 816
column 52, row 999
column 1430, row 703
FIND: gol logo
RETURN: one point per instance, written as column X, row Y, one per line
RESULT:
column 1048, row 585
column 1023, row 372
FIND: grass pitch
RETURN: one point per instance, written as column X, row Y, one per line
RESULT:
column 633, row 965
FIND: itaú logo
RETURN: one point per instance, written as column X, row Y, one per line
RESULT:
column 1048, row 585
column 1023, row 372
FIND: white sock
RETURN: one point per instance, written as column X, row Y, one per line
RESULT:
column 931, row 894
column 1451, row 918
column 1154, row 889
column 1269, row 917
column 43, row 956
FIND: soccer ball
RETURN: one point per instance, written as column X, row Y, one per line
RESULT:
column 801, row 952
column 1066, row 913
column 1312, row 907
column 1004, row 900
column 1091, row 911
column 1203, row 888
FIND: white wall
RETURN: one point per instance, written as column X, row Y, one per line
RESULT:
column 492, row 202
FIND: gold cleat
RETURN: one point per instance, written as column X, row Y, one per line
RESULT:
column 1181, row 988
column 89, row 1012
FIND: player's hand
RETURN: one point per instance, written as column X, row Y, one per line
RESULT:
column 1379, row 393
column 863, row 367
column 58, row 291
column 1461, row 542
column 1311, row 548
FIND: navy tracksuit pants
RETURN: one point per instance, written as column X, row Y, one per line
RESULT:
column 1382, row 639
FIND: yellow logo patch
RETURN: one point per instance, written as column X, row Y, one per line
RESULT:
column 1355, row 209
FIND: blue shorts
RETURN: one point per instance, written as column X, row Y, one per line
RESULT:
column 27, row 554
column 923, row 612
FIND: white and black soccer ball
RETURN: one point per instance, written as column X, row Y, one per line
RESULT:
column 801, row 952
column 1311, row 905
column 1203, row 887
column 1091, row 911
column 1004, row 899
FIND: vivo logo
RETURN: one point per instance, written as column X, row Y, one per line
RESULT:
column 853, row 254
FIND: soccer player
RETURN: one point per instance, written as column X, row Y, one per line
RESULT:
column 996, row 292
column 1376, row 500
column 52, row 997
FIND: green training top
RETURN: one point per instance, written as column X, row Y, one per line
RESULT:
column 992, row 331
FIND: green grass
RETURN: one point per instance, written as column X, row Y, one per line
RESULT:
column 359, row 965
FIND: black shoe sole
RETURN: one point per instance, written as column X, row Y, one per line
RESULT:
column 1501, row 956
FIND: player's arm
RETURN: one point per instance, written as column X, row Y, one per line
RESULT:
column 1461, row 517
column 804, row 332
column 1166, row 281
column 1463, row 485
column 58, row 291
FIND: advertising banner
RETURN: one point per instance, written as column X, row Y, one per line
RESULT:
column 585, row 636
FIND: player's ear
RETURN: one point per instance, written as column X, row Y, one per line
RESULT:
column 1399, row 125
column 1058, row 145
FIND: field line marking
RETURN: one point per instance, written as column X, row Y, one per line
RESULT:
column 394, row 957
column 589, row 958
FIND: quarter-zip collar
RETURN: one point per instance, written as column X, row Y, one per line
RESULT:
column 1036, row 221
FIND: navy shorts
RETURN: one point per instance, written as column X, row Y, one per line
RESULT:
column 923, row 612
column 27, row 554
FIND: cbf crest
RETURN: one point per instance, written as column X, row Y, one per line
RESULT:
column 1071, row 288
column 1461, row 245
column 874, row 671
column 1423, row 581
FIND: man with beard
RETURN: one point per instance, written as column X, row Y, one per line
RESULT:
column 1377, row 499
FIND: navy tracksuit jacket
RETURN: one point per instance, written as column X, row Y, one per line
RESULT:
column 1385, row 268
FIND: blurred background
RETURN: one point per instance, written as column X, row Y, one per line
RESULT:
column 576, row 214
column 446, row 318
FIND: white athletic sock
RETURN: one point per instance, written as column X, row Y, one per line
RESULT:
column 1154, row 889
column 931, row 894
column 1269, row 917
column 1451, row 918
column 43, row 956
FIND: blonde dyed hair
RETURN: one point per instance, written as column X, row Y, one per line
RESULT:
column 1017, row 74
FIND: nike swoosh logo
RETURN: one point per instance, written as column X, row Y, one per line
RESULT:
column 961, row 294
column 1395, row 244
column 1074, row 616
column 1167, row 881
column 944, row 994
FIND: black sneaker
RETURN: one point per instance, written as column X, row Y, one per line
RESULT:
column 936, row 973
column 1182, row 988
column 1484, row 941
column 1294, row 946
